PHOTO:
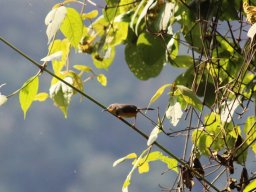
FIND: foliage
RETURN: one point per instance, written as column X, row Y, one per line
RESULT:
column 217, row 85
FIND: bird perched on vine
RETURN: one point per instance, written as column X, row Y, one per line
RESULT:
column 125, row 110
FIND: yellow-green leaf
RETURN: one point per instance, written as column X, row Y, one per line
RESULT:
column 143, row 168
column 189, row 96
column 72, row 27
column 27, row 93
column 90, row 15
column 159, row 92
column 251, row 186
column 41, row 97
column 102, row 79
column 60, row 45
column 83, row 68
column 129, row 156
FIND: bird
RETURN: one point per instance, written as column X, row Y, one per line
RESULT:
column 125, row 110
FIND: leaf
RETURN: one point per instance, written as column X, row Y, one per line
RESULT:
column 250, row 131
column 153, row 135
column 136, row 163
column 183, row 61
column 56, row 46
column 72, row 27
column 203, row 141
column 41, row 97
column 252, row 31
column 27, row 93
column 174, row 112
column 189, row 96
column 156, row 155
column 159, row 92
column 129, row 156
column 3, row 99
column 250, row 187
column 150, row 4
column 55, row 56
column 61, row 93
column 90, row 15
column 102, row 79
column 147, row 44
column 53, row 20
column 138, row 66
column 83, row 68
column 165, row 15
column 104, row 58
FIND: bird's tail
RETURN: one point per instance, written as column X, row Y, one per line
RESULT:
column 145, row 109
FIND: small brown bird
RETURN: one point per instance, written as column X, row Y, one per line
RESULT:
column 125, row 110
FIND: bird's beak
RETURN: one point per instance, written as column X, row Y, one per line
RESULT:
column 104, row 110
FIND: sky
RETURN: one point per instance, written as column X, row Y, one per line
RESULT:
column 46, row 152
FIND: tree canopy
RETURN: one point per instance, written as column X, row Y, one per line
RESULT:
column 211, row 40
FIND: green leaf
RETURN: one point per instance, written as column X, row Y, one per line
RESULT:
column 203, row 141
column 138, row 66
column 157, row 156
column 250, row 187
column 183, row 61
column 149, row 4
column 61, row 93
column 72, row 27
column 159, row 92
column 250, row 131
column 90, row 15
column 27, row 93
column 59, row 45
column 118, row 33
column 189, row 96
column 104, row 58
column 147, row 44
column 83, row 68
column 41, row 97
column 102, row 79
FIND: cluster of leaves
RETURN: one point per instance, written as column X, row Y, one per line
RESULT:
column 218, row 78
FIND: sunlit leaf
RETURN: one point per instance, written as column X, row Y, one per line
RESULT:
column 129, row 156
column 53, row 20
column 165, row 15
column 189, row 96
column 90, row 15
column 250, row 187
column 252, row 31
column 55, row 56
column 102, row 79
column 159, row 92
column 61, row 93
column 174, row 112
column 83, row 68
column 27, row 93
column 104, row 58
column 59, row 46
column 72, row 27
column 183, row 61
column 250, row 131
column 153, row 135
column 41, row 97
column 149, row 4
column 3, row 99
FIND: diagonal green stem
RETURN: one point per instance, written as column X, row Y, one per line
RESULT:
column 42, row 68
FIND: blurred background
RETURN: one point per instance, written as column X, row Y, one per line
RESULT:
column 48, row 153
